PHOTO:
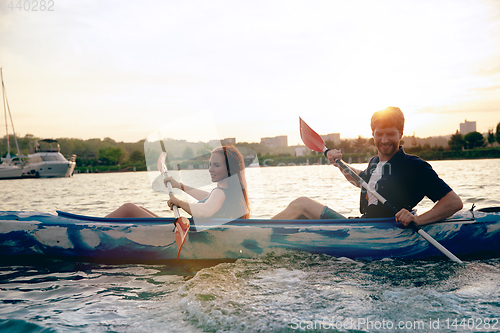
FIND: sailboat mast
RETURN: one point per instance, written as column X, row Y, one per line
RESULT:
column 5, row 113
column 7, row 108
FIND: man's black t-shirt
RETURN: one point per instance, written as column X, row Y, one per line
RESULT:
column 406, row 180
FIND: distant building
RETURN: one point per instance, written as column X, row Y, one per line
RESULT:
column 335, row 137
column 467, row 127
column 228, row 141
column 277, row 141
column 222, row 142
column 300, row 151
column 214, row 143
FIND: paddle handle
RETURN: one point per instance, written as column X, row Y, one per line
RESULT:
column 171, row 193
column 412, row 224
column 164, row 172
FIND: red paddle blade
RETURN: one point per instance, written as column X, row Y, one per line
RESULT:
column 310, row 138
column 181, row 231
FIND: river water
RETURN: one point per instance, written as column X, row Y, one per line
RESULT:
column 281, row 292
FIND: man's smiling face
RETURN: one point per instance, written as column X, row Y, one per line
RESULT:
column 387, row 141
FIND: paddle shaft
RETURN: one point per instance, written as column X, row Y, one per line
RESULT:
column 164, row 172
column 412, row 224
column 181, row 223
column 171, row 193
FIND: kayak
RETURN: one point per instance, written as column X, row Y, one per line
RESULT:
column 467, row 234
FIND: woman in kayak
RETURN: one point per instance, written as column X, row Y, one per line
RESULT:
column 228, row 200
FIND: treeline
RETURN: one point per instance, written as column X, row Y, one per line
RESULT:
column 474, row 140
column 414, row 144
column 471, row 146
column 105, row 154
column 109, row 155
column 92, row 154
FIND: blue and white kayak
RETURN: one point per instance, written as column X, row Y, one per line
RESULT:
column 467, row 234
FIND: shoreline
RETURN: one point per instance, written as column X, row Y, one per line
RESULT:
column 279, row 161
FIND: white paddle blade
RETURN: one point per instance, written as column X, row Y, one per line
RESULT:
column 155, row 157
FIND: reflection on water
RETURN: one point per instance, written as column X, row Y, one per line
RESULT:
column 271, row 189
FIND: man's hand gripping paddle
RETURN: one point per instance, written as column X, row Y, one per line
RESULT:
column 313, row 141
column 181, row 223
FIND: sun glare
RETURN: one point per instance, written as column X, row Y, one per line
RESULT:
column 333, row 62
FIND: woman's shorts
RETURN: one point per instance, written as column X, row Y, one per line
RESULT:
column 330, row 214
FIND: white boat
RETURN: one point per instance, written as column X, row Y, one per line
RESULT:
column 48, row 161
column 10, row 167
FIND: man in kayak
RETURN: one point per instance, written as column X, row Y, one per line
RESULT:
column 404, row 180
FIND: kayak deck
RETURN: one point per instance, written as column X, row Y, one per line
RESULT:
column 146, row 240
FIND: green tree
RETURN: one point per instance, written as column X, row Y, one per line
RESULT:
column 187, row 154
column 109, row 140
column 136, row 156
column 345, row 146
column 456, row 141
column 330, row 144
column 93, row 147
column 110, row 155
column 206, row 149
column 474, row 140
column 491, row 137
column 414, row 140
column 359, row 144
column 497, row 136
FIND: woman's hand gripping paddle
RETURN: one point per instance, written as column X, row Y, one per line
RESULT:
column 313, row 141
column 181, row 223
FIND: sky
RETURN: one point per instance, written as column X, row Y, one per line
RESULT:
column 122, row 69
